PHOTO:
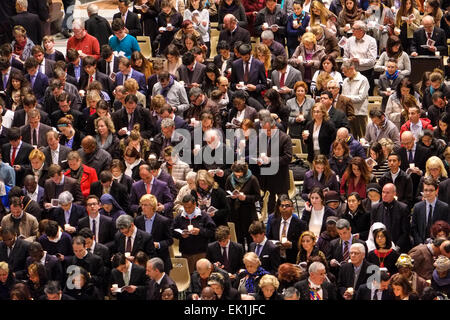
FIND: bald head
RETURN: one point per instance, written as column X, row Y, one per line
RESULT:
column 428, row 23
column 229, row 22
column 342, row 134
column 408, row 140
column 445, row 248
column 203, row 265
column 389, row 192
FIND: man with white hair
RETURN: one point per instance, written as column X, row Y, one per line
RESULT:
column 276, row 48
column 353, row 275
column 341, row 102
column 82, row 41
column 423, row 35
column 232, row 32
column 356, row 88
column 29, row 21
column 204, row 268
column 97, row 25
column 361, row 49
column 356, row 149
column 316, row 286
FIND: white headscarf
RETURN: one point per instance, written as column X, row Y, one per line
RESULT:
column 371, row 241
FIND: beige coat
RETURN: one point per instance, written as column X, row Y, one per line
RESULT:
column 28, row 226
column 412, row 26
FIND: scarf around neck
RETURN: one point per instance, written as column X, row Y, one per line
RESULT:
column 250, row 282
column 238, row 183
column 392, row 76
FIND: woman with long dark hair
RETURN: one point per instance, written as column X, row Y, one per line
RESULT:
column 141, row 64
column 212, row 73
column 357, row 216
column 340, row 157
column 328, row 70
column 395, row 103
column 376, row 154
column 394, row 49
column 316, row 213
column 277, row 107
column 16, row 82
column 407, row 23
column 349, row 14
column 356, row 178
column 384, row 255
column 320, row 175
column 442, row 130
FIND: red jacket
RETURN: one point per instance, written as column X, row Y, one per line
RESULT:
column 426, row 124
column 89, row 177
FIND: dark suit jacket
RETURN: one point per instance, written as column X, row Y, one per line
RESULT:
column 235, row 256
column 19, row 118
column 138, row 76
column 40, row 8
column 365, row 294
column 306, row 217
column 419, row 219
column 420, row 156
column 21, row 159
column 256, row 76
column 396, row 218
column 118, row 191
column 62, row 158
column 329, row 290
column 49, row 67
column 106, row 230
column 420, row 38
column 40, row 195
column 269, row 256
column 293, row 76
column 154, row 289
column 4, row 139
column 101, row 65
column 103, row 252
column 25, row 131
column 99, row 28
column 137, row 278
column 69, row 184
column 132, row 23
column 92, row 264
column 218, row 61
column 338, row 118
column 335, row 251
column 142, row 242
column 32, row 25
column 240, row 34
column 198, row 74
column 159, row 189
column 77, row 212
column 52, row 266
column 444, row 191
column 383, row 84
column 347, row 277
column 17, row 258
column 296, row 228
column 403, row 184
column 107, row 83
column 141, row 115
column 327, row 134
column 40, row 84
column 161, row 233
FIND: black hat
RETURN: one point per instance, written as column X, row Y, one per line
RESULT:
column 374, row 187
column 332, row 196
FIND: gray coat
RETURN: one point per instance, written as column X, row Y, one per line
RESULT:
column 389, row 130
column 175, row 97
column 99, row 161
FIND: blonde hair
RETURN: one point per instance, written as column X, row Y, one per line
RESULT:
column 157, row 102
column 307, row 234
column 322, row 107
column 435, row 162
column 151, row 198
column 93, row 96
column 48, row 38
column 108, row 122
column 36, row 154
column 205, row 176
column 309, row 37
column 19, row 31
column 324, row 13
column 131, row 85
column 265, row 51
column 269, row 280
column 4, row 266
column 252, row 258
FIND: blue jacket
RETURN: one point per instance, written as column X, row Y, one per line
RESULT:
column 7, row 174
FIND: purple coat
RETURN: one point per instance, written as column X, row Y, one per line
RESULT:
column 310, row 182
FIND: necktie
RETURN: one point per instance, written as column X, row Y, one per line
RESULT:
column 410, row 157
column 130, row 122
column 283, row 235
column 126, row 278
column 283, row 75
column 429, row 221
column 32, row 80
column 108, row 68
column 94, row 229
column 128, row 249
column 258, row 249
column 55, row 157
column 5, row 80
column 35, row 142
column 375, row 295
column 91, row 78
column 346, row 254
column 149, row 189
column 246, row 72
column 226, row 262
column 13, row 157
column 428, row 35
column 123, row 18
column 125, row 78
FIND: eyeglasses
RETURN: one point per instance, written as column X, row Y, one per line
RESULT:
column 91, row 204
column 285, row 205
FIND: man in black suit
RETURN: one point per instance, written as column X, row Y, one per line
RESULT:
column 353, row 275
column 395, row 215
column 90, row 262
column 268, row 253
column 108, row 63
column 232, row 32
column 423, row 35
column 444, row 191
column 58, row 183
column 102, row 226
column 128, row 275
column 158, row 280
column 224, row 58
column 399, row 178
column 339, row 252
column 427, row 212
column 35, row 132
column 40, row 8
column 38, row 81
column 250, row 71
column 166, row 112
column 91, row 74
column 132, row 24
column 287, row 229
column 337, row 116
column 55, row 153
column 413, row 153
column 156, row 225
column 191, row 72
column 167, row 137
column 132, row 240
column 16, row 153
column 115, row 189
column 52, row 265
column 14, row 251
column 46, row 66
column 96, row 248
column 6, row 69
column 29, row 21
column 97, row 26
column 67, row 214
column 53, row 292
column 315, row 287
column 377, row 291
column 155, row 169
column 125, row 118
column 21, row 116
column 225, row 253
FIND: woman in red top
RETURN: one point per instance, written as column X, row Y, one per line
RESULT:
column 85, row 175
column 384, row 255
column 356, row 178
column 252, row 8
